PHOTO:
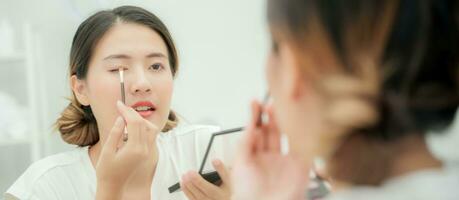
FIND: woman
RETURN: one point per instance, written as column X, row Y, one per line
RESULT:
column 358, row 83
column 155, row 154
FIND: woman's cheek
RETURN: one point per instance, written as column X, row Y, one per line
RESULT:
column 166, row 87
column 106, row 93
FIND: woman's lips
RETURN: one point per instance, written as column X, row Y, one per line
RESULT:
column 145, row 114
column 144, row 108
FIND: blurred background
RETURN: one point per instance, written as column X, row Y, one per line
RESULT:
column 222, row 47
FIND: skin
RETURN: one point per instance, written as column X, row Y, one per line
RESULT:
column 197, row 188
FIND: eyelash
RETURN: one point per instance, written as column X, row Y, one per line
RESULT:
column 116, row 70
column 161, row 67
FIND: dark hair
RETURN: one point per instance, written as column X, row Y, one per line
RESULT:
column 77, row 124
column 413, row 46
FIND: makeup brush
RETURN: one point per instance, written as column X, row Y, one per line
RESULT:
column 123, row 99
column 262, row 117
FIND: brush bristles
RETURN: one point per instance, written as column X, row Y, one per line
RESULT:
column 121, row 70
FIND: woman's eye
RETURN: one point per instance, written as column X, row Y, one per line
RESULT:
column 117, row 70
column 156, row 66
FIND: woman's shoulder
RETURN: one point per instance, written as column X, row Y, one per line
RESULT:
column 44, row 170
column 50, row 163
column 422, row 184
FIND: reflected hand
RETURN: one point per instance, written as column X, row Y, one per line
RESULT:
column 197, row 188
column 260, row 170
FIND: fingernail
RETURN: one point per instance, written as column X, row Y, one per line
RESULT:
column 184, row 178
column 193, row 175
column 119, row 103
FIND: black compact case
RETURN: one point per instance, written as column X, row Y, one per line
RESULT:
column 211, row 177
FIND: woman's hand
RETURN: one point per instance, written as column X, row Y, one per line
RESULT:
column 116, row 165
column 260, row 170
column 197, row 188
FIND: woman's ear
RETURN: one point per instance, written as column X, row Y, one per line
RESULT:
column 80, row 90
column 294, row 76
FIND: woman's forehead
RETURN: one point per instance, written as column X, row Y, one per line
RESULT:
column 131, row 40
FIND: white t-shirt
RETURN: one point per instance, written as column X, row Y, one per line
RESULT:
column 440, row 184
column 71, row 175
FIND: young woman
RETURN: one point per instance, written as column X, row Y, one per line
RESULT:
column 358, row 83
column 156, row 153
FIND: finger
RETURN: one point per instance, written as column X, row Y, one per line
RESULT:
column 261, row 138
column 257, row 126
column 133, row 121
column 248, row 145
column 256, row 112
column 151, row 132
column 264, row 138
column 222, row 171
column 187, row 192
column 128, row 113
column 207, row 188
column 274, row 143
column 198, row 194
column 194, row 191
column 115, row 136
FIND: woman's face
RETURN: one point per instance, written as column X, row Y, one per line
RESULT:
column 148, row 78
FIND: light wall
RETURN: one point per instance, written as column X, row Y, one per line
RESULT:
column 222, row 46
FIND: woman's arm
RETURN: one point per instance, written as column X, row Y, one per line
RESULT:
column 109, row 191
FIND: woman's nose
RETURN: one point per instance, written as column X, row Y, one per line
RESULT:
column 140, row 83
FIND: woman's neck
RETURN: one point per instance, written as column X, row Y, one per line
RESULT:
column 412, row 154
column 404, row 156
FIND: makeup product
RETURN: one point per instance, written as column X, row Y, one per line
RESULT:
column 123, row 98
column 211, row 177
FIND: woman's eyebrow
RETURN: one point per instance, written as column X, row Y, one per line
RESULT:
column 117, row 56
column 126, row 57
column 156, row 55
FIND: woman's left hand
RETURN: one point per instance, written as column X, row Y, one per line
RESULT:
column 261, row 170
column 197, row 188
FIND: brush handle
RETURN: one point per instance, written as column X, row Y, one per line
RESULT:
column 123, row 96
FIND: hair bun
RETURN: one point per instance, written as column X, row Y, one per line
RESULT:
column 77, row 125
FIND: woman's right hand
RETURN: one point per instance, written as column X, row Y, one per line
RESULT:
column 116, row 165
